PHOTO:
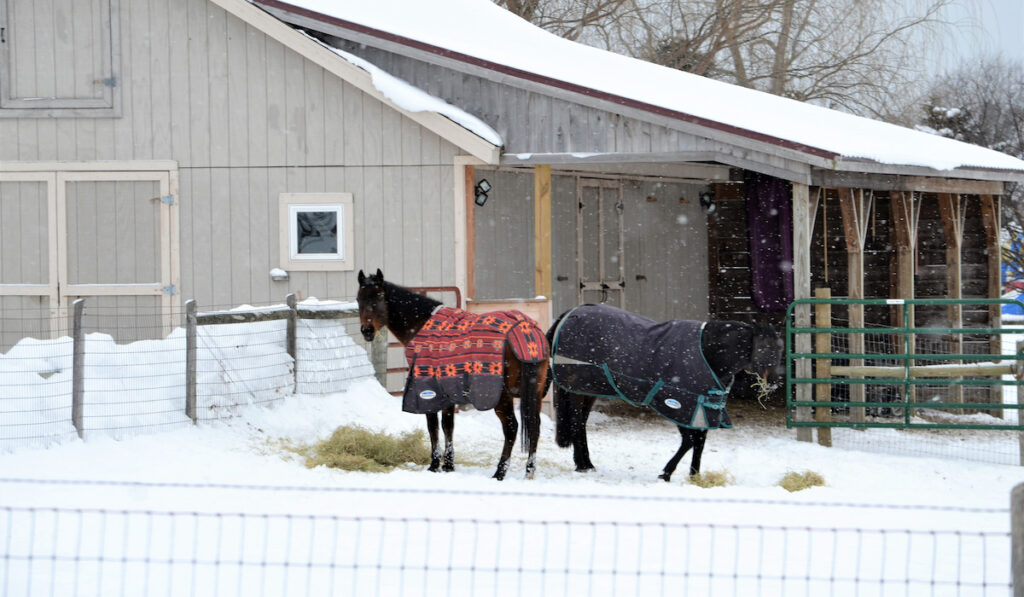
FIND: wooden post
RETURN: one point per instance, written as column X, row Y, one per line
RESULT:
column 470, row 234
column 1020, row 399
column 990, row 218
column 856, row 211
column 823, row 345
column 542, row 230
column 803, row 222
column 190, row 360
column 906, row 214
column 379, row 357
column 1017, row 539
column 951, row 207
column 78, row 367
column 291, row 342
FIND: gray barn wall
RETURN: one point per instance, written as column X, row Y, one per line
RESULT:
column 247, row 119
column 665, row 244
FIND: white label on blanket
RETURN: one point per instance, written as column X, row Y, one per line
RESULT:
column 673, row 403
column 427, row 394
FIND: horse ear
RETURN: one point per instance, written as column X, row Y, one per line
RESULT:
column 362, row 278
column 380, row 275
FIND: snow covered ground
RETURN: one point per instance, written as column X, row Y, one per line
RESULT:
column 224, row 508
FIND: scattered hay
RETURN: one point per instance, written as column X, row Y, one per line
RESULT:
column 356, row 449
column 712, row 479
column 798, row 481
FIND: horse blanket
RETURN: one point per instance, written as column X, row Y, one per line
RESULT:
column 457, row 357
column 606, row 352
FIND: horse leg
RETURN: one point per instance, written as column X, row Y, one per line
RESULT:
column 686, row 442
column 532, row 379
column 699, row 436
column 435, row 451
column 581, row 406
column 506, row 414
column 448, row 426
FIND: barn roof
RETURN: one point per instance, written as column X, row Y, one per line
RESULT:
column 487, row 36
column 450, row 122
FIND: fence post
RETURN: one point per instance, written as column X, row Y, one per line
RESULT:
column 1020, row 397
column 379, row 357
column 78, row 366
column 190, row 359
column 1017, row 539
column 291, row 341
column 823, row 345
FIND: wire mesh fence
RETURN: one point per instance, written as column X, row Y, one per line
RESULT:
column 165, row 551
column 132, row 375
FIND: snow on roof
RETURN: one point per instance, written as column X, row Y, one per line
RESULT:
column 414, row 99
column 482, row 30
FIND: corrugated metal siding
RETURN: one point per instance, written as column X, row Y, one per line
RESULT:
column 247, row 119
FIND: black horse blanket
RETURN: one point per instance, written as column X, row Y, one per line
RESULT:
column 457, row 357
column 606, row 352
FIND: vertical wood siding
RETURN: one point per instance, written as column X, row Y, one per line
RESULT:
column 248, row 119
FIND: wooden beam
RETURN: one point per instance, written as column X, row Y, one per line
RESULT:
column 990, row 219
column 856, row 209
column 823, row 345
column 470, row 233
column 802, row 223
column 951, row 208
column 903, row 182
column 542, row 230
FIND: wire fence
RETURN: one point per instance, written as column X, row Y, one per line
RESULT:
column 164, row 551
column 132, row 376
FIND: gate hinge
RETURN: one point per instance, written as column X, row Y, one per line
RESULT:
column 110, row 81
column 171, row 290
column 167, row 199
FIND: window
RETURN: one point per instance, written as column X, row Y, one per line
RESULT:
column 59, row 58
column 316, row 231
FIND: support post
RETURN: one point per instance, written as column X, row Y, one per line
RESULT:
column 991, row 221
column 542, row 230
column 951, row 207
column 802, row 223
column 1020, row 398
column 291, row 342
column 906, row 215
column 1017, row 539
column 190, row 359
column 823, row 345
column 855, row 209
column 78, row 367
column 379, row 357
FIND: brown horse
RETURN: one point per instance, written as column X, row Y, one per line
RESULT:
column 430, row 389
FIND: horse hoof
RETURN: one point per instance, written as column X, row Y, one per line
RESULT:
column 584, row 469
column 665, row 477
column 448, row 468
column 499, row 476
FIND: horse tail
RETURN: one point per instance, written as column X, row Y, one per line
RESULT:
column 562, row 404
column 530, row 396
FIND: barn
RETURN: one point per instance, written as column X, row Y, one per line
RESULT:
column 232, row 152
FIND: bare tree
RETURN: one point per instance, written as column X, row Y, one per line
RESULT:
column 982, row 102
column 862, row 56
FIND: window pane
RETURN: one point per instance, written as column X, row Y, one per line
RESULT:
column 317, row 232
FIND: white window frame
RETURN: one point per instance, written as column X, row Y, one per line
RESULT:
column 289, row 205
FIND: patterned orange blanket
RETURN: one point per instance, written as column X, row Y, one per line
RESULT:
column 457, row 358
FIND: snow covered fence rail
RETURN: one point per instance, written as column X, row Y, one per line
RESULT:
column 328, row 541
column 52, row 390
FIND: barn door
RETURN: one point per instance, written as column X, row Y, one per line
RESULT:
column 599, row 240
column 108, row 235
column 114, row 232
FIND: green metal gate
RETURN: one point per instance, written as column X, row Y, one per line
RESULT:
column 907, row 372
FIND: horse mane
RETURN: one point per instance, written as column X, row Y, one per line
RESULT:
column 407, row 309
column 728, row 347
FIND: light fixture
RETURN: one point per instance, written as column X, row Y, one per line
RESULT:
column 707, row 202
column 480, row 191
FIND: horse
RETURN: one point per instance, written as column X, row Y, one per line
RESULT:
column 507, row 359
column 681, row 369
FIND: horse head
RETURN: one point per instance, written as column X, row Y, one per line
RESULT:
column 766, row 352
column 373, row 304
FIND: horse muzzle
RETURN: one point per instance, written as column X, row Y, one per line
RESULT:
column 368, row 332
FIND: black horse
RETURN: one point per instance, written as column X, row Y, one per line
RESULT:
column 507, row 354
column 683, row 370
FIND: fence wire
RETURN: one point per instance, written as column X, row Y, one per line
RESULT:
column 115, row 551
column 134, row 376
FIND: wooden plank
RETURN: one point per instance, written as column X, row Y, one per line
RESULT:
column 542, row 230
column 238, row 91
column 823, row 345
column 160, row 90
column 219, row 107
column 470, row 183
